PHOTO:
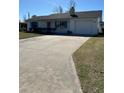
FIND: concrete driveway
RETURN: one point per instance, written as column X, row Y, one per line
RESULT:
column 46, row 64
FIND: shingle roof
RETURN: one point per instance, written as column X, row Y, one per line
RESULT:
column 84, row 14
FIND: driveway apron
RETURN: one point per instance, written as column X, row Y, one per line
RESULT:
column 46, row 65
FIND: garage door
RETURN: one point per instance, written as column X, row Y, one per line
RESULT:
column 85, row 27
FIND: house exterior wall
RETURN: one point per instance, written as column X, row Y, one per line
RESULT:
column 43, row 24
column 76, row 26
column 72, row 25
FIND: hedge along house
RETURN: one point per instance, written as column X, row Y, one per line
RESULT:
column 78, row 23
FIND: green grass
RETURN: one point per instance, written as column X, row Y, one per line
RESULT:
column 23, row 35
column 89, row 62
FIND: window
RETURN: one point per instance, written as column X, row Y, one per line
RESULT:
column 64, row 24
column 60, row 24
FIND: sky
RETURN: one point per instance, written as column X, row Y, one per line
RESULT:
column 46, row 7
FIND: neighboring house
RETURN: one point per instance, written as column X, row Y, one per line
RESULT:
column 22, row 26
column 79, row 23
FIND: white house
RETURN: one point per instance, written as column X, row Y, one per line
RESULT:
column 80, row 23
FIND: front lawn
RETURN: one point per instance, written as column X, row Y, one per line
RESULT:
column 23, row 35
column 89, row 62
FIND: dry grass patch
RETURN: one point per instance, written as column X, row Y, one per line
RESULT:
column 89, row 62
column 23, row 35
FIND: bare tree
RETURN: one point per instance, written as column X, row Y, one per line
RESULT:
column 58, row 9
column 28, row 15
column 71, row 6
column 55, row 10
column 71, row 9
column 24, row 18
column 72, row 3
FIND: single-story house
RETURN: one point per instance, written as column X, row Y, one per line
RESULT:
column 80, row 23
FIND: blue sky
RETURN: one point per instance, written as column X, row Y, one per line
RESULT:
column 46, row 7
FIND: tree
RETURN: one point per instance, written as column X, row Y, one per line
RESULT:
column 24, row 18
column 28, row 15
column 72, row 3
column 71, row 6
column 58, row 9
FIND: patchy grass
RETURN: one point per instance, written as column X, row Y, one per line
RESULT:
column 89, row 62
column 23, row 35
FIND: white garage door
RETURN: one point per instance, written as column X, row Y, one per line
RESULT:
column 85, row 27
